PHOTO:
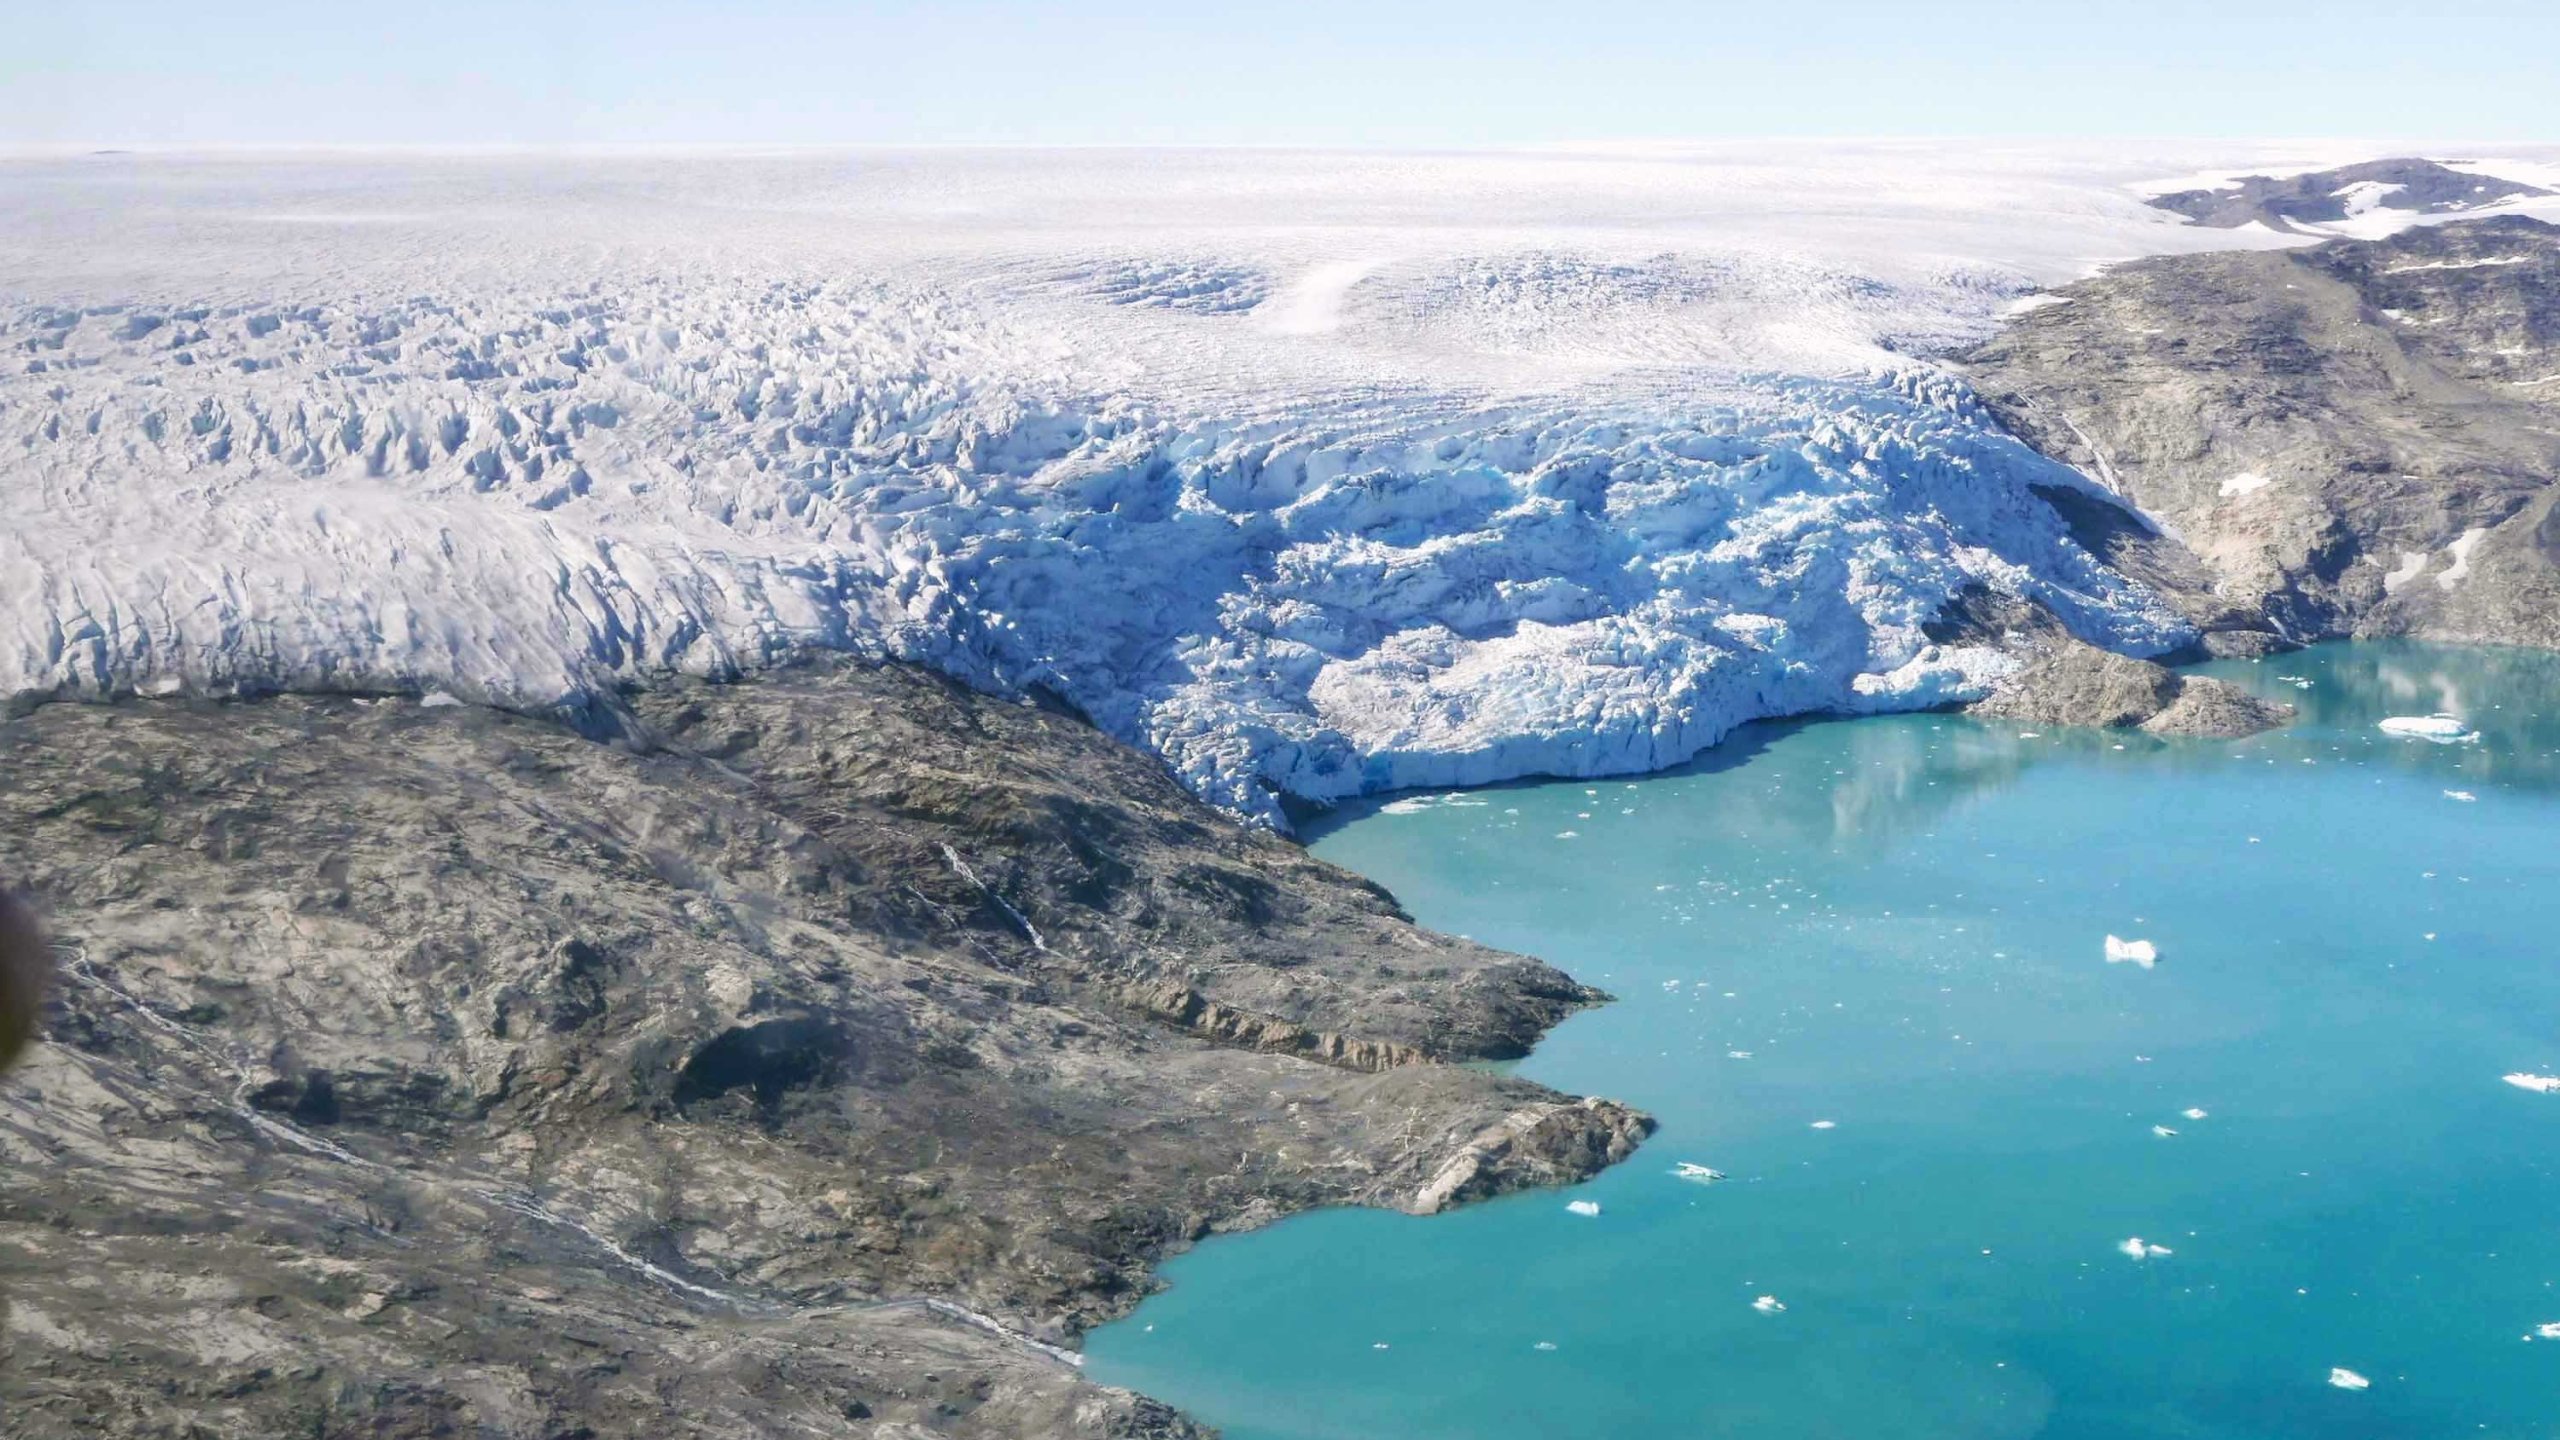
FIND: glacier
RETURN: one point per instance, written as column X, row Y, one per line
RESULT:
column 1308, row 501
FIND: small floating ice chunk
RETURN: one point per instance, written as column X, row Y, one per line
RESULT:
column 2030, row 734
column 1411, row 805
column 2460, row 795
column 1826, row 1124
column 1737, row 1054
column 2346, row 1379
column 1700, row 1173
column 2192, row 1113
column 2141, row 1249
column 1568, row 834
column 2163, row 1131
column 2132, row 952
column 2548, row 1332
column 1769, row 1305
column 2437, row 729
column 1379, row 1345
column 1544, row 1345
column 2538, row 1084
column 1583, row 1207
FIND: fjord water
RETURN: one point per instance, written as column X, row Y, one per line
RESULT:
column 1897, row 925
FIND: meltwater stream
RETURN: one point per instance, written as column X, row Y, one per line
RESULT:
column 1862, row 970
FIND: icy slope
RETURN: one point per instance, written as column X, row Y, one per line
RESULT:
column 1413, row 497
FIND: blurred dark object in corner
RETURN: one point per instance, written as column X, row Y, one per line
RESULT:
column 23, row 962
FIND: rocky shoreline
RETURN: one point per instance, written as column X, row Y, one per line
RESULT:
column 824, row 1060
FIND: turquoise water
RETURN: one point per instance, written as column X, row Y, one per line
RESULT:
column 1901, row 923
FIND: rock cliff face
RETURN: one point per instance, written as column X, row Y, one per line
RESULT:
column 820, row 1063
column 2359, row 438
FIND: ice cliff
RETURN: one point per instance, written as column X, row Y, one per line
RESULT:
column 1294, row 522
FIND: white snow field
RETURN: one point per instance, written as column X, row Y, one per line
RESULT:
column 1313, row 473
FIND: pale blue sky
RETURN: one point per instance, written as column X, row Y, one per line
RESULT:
column 1317, row 71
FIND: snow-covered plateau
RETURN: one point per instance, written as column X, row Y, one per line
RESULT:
column 1315, row 474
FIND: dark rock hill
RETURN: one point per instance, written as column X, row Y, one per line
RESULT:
column 2357, row 438
column 821, row 1066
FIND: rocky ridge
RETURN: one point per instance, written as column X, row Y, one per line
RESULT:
column 2406, row 183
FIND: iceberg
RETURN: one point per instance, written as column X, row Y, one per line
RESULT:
column 2539, row 1084
column 2346, row 1379
column 2434, row 729
column 2132, row 952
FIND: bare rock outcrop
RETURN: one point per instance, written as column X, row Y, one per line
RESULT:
column 2074, row 683
column 1548, row 1143
column 1181, row 1006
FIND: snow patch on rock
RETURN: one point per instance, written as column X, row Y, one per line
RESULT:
column 2413, row 563
column 2460, row 550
